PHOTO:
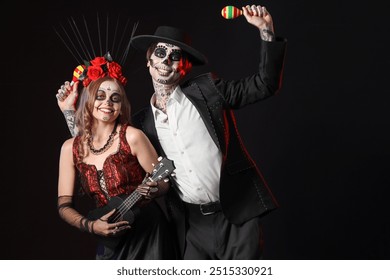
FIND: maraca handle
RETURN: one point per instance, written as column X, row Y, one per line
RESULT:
column 231, row 12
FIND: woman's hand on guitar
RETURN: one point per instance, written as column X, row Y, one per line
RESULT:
column 103, row 228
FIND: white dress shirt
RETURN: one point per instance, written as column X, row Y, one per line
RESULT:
column 185, row 140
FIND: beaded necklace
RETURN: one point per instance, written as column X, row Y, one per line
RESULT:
column 106, row 146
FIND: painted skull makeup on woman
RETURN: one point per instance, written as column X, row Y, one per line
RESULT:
column 107, row 101
column 165, row 64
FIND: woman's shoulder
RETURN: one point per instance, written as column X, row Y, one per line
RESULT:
column 134, row 132
column 68, row 144
column 134, row 135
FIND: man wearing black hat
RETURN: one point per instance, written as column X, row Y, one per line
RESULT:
column 218, row 195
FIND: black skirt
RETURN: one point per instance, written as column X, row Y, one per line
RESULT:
column 150, row 237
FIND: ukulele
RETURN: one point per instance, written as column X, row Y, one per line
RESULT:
column 123, row 205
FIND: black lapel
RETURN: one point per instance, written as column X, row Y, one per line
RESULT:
column 210, row 117
column 149, row 128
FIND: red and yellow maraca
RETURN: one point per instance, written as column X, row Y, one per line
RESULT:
column 231, row 12
column 78, row 71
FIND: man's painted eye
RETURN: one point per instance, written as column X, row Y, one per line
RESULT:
column 160, row 52
column 175, row 55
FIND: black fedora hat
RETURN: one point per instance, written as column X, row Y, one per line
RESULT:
column 171, row 35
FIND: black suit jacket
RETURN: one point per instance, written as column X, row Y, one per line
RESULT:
column 244, row 193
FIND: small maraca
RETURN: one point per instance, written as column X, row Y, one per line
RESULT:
column 231, row 12
column 78, row 71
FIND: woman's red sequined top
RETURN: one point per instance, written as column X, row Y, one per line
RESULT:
column 122, row 172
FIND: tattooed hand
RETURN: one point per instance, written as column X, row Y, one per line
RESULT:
column 69, row 96
column 67, row 105
column 261, row 18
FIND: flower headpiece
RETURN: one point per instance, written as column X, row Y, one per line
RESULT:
column 78, row 39
column 99, row 67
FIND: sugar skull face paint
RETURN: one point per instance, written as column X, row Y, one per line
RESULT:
column 164, row 64
column 163, row 53
column 108, row 101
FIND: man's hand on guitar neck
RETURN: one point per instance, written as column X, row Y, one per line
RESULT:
column 103, row 228
column 152, row 189
column 149, row 190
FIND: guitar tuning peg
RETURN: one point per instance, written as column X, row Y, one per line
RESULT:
column 153, row 165
column 159, row 158
column 166, row 180
column 173, row 174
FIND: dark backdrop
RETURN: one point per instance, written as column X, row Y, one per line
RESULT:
column 322, row 143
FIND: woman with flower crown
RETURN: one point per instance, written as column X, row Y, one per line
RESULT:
column 112, row 159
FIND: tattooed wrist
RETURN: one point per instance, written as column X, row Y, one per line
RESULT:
column 70, row 121
column 267, row 35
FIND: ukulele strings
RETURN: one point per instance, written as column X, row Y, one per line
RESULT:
column 130, row 201
column 126, row 205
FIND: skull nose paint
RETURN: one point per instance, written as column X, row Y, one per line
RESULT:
column 166, row 61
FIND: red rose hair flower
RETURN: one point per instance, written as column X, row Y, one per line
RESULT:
column 100, row 67
column 98, row 61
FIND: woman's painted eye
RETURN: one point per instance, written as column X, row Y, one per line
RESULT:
column 100, row 96
column 116, row 98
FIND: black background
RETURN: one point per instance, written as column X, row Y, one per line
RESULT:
column 322, row 143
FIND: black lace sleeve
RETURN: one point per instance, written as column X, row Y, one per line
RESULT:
column 69, row 214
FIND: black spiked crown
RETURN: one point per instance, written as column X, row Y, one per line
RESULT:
column 94, row 51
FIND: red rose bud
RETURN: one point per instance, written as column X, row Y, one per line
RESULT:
column 95, row 72
column 114, row 70
column 97, row 61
